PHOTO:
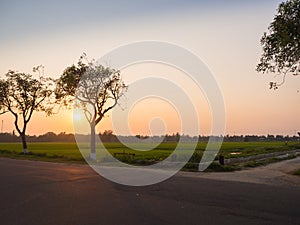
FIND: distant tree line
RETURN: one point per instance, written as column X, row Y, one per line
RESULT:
column 108, row 136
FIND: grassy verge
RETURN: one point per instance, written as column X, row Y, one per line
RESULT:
column 297, row 172
column 69, row 152
column 49, row 148
column 42, row 156
column 216, row 167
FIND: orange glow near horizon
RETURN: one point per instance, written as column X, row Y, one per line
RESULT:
column 154, row 117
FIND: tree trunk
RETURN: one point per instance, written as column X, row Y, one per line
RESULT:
column 93, row 141
column 24, row 143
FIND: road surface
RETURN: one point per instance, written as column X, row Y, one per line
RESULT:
column 60, row 194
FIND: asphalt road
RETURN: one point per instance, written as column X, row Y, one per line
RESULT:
column 60, row 194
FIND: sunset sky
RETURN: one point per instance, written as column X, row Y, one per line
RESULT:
column 225, row 35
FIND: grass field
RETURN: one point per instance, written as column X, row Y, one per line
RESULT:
column 297, row 172
column 68, row 152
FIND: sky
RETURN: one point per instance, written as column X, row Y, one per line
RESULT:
column 225, row 35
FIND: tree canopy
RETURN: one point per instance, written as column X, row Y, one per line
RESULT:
column 94, row 88
column 21, row 94
column 281, row 45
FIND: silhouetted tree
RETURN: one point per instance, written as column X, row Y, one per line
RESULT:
column 108, row 136
column 94, row 88
column 281, row 46
column 21, row 94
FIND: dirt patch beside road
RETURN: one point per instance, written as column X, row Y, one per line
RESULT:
column 274, row 174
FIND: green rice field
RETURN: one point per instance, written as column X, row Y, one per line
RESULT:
column 53, row 151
